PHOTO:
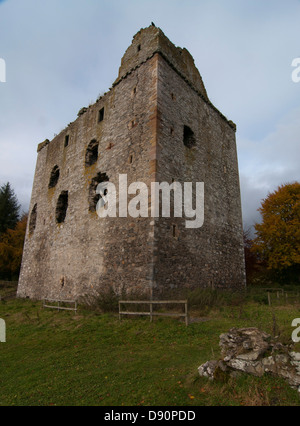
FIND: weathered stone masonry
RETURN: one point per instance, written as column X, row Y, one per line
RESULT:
column 155, row 124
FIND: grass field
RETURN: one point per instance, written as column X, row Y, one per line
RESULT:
column 58, row 358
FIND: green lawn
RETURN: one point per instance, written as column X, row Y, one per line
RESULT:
column 58, row 358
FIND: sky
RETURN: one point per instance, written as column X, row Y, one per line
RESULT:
column 61, row 54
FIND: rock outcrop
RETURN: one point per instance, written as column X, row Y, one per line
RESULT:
column 252, row 351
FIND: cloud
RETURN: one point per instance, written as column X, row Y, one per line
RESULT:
column 268, row 163
column 64, row 54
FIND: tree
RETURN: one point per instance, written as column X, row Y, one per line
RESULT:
column 251, row 260
column 11, row 249
column 278, row 236
column 9, row 208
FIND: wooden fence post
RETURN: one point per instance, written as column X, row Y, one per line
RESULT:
column 152, row 313
column 186, row 314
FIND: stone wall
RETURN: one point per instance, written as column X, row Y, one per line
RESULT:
column 213, row 255
column 149, row 41
column 87, row 252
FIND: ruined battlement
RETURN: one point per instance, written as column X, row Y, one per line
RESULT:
column 145, row 44
column 151, row 40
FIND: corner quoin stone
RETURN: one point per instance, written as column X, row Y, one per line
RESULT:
column 137, row 128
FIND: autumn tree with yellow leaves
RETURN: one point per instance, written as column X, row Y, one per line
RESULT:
column 277, row 240
column 11, row 250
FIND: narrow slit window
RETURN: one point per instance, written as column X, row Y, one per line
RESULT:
column 101, row 115
column 62, row 207
column 174, row 229
column 67, row 140
column 188, row 137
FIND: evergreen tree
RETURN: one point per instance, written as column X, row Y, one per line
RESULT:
column 9, row 208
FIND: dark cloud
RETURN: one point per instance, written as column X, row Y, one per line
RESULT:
column 268, row 163
column 64, row 54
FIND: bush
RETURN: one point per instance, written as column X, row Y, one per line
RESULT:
column 108, row 300
column 204, row 299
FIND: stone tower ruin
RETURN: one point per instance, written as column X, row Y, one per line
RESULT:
column 156, row 124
